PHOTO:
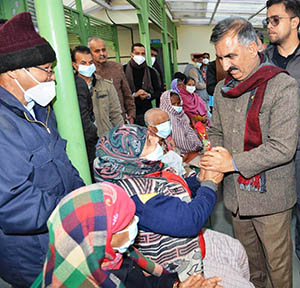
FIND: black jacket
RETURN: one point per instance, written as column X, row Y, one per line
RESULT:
column 87, row 117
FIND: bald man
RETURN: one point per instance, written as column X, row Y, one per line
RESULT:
column 113, row 71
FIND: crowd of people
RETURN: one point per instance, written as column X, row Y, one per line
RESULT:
column 142, row 223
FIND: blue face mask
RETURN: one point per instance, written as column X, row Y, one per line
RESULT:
column 132, row 232
column 156, row 155
column 177, row 108
column 198, row 64
column 164, row 129
column 87, row 71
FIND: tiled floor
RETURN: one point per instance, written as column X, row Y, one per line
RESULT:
column 221, row 221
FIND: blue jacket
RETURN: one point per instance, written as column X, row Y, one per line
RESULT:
column 35, row 173
column 171, row 216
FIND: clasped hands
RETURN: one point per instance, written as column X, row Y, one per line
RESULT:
column 215, row 163
column 142, row 94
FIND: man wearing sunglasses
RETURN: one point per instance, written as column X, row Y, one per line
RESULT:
column 35, row 172
column 282, row 23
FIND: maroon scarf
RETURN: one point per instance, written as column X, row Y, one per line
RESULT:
column 253, row 138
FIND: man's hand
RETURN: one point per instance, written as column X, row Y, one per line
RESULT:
column 218, row 159
column 130, row 119
column 141, row 93
column 207, row 175
column 197, row 281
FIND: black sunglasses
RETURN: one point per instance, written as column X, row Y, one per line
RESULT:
column 274, row 20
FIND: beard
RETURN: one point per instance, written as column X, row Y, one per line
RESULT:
column 277, row 40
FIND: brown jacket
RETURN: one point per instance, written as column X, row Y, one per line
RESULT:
column 114, row 71
column 278, row 119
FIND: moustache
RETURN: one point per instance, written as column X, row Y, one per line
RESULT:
column 232, row 68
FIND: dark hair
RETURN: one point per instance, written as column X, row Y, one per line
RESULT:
column 260, row 35
column 79, row 49
column 179, row 75
column 187, row 79
column 136, row 45
column 206, row 53
column 154, row 49
column 2, row 21
column 240, row 26
column 292, row 6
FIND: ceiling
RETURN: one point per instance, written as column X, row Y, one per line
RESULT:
column 191, row 12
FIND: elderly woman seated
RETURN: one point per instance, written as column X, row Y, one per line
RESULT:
column 183, row 134
column 90, row 230
column 170, row 220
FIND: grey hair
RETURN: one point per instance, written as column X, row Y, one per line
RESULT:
column 93, row 39
column 239, row 26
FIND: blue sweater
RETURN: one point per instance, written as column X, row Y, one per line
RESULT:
column 171, row 216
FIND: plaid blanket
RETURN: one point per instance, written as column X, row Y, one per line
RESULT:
column 77, row 239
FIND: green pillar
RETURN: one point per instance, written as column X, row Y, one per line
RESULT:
column 165, row 47
column 143, row 17
column 82, row 27
column 174, row 48
column 116, row 43
column 51, row 23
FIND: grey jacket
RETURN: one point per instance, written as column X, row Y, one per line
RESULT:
column 278, row 119
column 106, row 105
column 293, row 67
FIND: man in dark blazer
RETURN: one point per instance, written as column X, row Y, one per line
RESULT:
column 254, row 132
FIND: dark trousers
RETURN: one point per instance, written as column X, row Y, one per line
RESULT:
column 268, row 243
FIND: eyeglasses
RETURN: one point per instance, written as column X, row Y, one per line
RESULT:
column 49, row 70
column 274, row 20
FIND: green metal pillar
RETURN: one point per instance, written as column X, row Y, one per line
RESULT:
column 82, row 27
column 51, row 23
column 143, row 17
column 165, row 47
column 116, row 43
column 174, row 48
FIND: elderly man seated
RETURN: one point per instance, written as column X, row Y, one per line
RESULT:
column 181, row 146
column 170, row 219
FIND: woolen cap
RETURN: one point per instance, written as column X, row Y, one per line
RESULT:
column 21, row 46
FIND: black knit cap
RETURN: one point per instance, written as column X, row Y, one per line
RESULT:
column 21, row 46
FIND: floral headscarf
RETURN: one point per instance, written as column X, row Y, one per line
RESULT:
column 118, row 151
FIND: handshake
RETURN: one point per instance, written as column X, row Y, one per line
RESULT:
column 207, row 175
column 214, row 164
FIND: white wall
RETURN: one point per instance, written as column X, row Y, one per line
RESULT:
column 191, row 38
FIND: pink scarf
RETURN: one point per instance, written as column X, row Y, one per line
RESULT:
column 193, row 105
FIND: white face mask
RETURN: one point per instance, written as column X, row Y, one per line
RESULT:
column 156, row 155
column 190, row 89
column 138, row 59
column 87, row 71
column 132, row 232
column 205, row 61
column 42, row 94
column 153, row 60
column 198, row 64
